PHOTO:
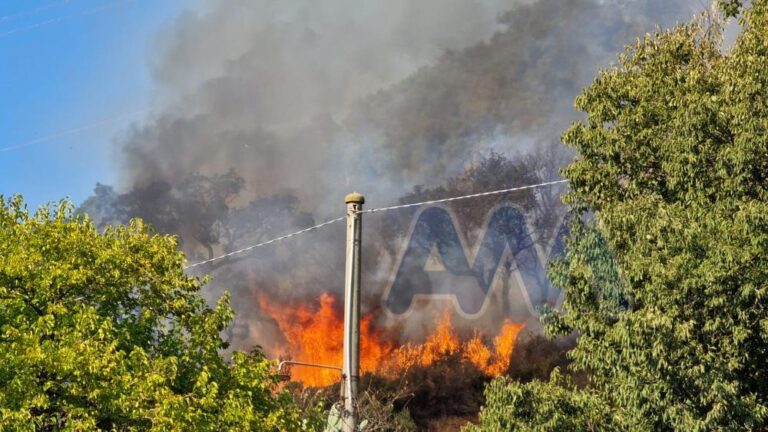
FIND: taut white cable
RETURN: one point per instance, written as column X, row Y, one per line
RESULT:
column 59, row 19
column 36, row 10
column 375, row 210
column 481, row 194
column 55, row 135
column 277, row 239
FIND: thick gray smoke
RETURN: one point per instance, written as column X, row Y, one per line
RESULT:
column 316, row 99
column 319, row 98
column 264, row 86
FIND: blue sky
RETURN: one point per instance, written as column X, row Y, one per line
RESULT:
column 68, row 64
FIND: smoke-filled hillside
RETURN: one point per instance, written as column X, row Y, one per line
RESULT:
column 317, row 99
column 268, row 113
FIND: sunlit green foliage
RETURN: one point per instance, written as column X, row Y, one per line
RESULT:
column 103, row 330
column 667, row 281
column 541, row 406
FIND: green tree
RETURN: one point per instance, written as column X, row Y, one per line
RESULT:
column 667, row 280
column 103, row 330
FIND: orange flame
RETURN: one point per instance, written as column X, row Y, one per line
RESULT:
column 313, row 333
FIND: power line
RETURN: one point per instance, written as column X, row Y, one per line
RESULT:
column 53, row 136
column 481, row 194
column 246, row 249
column 305, row 230
column 59, row 19
column 36, row 10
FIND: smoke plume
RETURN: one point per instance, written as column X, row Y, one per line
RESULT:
column 268, row 112
column 319, row 98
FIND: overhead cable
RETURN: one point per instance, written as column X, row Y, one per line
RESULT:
column 34, row 11
column 59, row 19
column 476, row 195
column 277, row 239
column 381, row 209
column 52, row 136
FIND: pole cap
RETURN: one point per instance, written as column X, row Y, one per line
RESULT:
column 354, row 197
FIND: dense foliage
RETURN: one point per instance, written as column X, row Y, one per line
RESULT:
column 199, row 209
column 103, row 330
column 666, row 276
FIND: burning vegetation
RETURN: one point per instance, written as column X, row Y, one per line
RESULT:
column 430, row 364
column 313, row 333
column 255, row 133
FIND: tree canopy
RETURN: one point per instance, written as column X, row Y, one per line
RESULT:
column 666, row 273
column 201, row 210
column 103, row 330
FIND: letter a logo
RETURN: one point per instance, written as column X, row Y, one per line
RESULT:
column 435, row 263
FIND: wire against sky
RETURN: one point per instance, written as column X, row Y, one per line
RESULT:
column 381, row 209
column 55, row 135
column 59, row 19
column 45, row 7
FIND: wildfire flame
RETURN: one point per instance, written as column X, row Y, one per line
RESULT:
column 313, row 333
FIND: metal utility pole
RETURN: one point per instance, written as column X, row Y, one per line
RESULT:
column 351, row 360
